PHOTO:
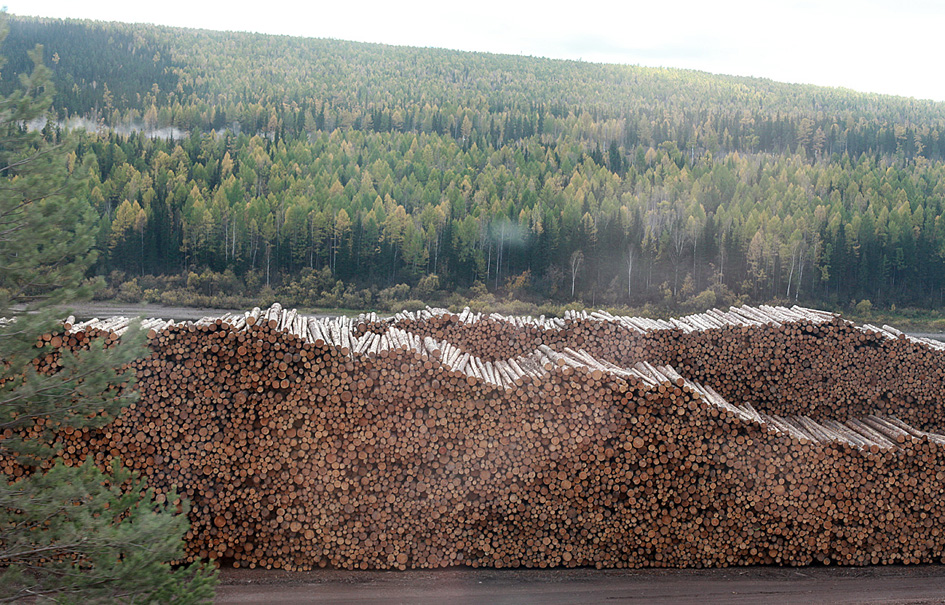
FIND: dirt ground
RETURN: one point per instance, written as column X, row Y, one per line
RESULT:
column 102, row 310
column 764, row 585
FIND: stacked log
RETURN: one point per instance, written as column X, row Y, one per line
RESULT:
column 789, row 361
column 598, row 440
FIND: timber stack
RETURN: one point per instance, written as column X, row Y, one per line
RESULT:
column 431, row 439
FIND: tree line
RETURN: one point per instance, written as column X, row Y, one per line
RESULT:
column 387, row 208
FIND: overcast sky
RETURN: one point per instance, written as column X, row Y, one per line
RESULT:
column 867, row 45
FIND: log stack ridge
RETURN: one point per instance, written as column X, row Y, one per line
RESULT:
column 430, row 439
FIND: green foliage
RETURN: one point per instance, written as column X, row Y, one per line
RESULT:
column 428, row 285
column 82, row 393
column 130, row 292
column 383, row 165
column 706, row 299
column 120, row 62
column 70, row 534
column 390, row 297
column 863, row 308
column 45, row 239
column 78, row 535
column 409, row 305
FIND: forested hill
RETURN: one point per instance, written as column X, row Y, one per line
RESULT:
column 199, row 80
column 334, row 170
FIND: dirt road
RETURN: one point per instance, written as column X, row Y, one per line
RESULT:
column 102, row 310
column 765, row 585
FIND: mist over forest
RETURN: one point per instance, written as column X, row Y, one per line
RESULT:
column 234, row 166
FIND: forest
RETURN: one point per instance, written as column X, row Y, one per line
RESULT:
column 233, row 166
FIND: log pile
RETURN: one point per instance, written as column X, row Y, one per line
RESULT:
column 788, row 361
column 435, row 439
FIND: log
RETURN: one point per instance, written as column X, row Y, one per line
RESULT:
column 753, row 435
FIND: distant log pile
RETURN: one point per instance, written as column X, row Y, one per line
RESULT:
column 435, row 439
column 787, row 361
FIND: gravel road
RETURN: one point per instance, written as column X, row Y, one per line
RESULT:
column 102, row 310
column 763, row 585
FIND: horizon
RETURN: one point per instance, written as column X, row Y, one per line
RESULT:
column 734, row 38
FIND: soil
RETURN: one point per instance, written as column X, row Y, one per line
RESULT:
column 102, row 310
column 774, row 585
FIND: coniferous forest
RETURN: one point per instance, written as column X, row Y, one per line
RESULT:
column 334, row 173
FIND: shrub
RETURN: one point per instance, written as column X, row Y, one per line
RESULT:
column 519, row 285
column 130, row 292
column 864, row 307
column 428, row 285
column 411, row 305
column 355, row 299
column 393, row 294
column 704, row 300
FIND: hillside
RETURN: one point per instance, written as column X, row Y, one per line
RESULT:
column 333, row 171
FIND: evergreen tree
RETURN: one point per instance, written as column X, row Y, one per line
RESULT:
column 67, row 533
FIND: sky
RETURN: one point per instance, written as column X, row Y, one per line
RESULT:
column 866, row 45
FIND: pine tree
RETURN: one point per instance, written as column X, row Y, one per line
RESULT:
column 67, row 533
